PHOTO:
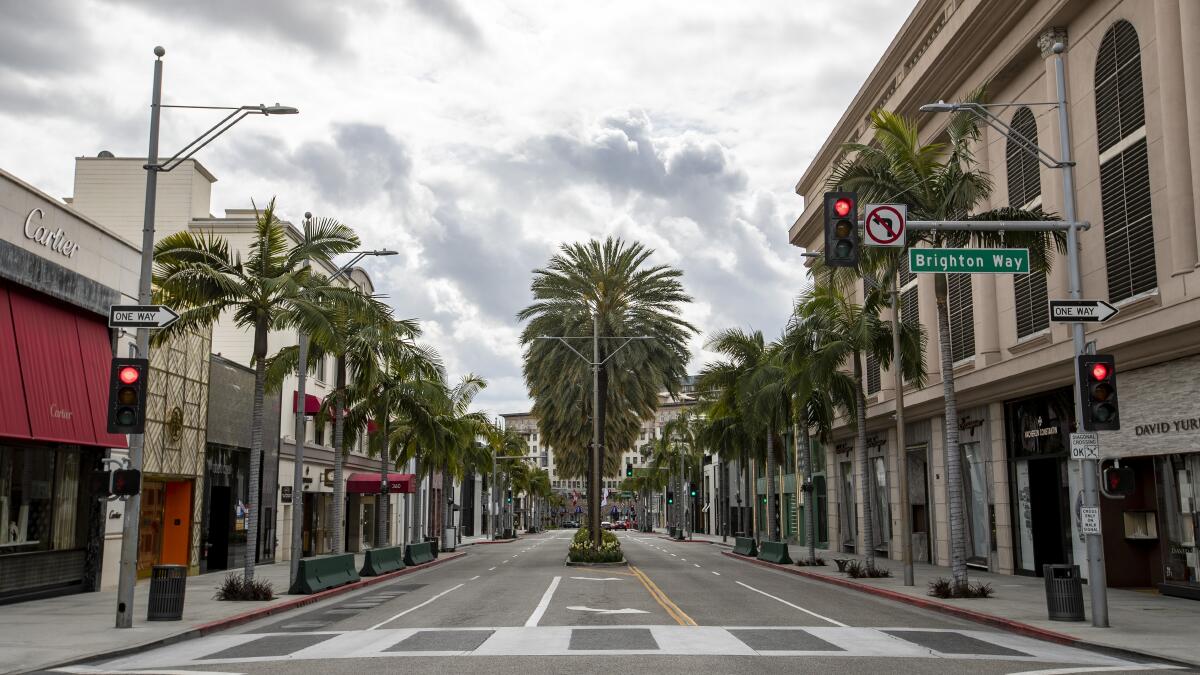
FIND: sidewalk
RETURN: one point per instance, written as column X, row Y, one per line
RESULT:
column 39, row 634
column 1141, row 622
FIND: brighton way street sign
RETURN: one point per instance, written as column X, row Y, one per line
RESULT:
column 141, row 316
column 969, row 260
column 1092, row 311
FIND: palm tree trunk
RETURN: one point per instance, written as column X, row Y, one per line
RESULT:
column 954, row 487
column 381, row 508
column 745, row 467
column 256, row 445
column 447, row 513
column 754, row 506
column 772, row 514
column 602, row 389
column 860, row 452
column 339, row 485
column 810, row 500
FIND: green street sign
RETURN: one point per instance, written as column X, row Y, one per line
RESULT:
column 969, row 260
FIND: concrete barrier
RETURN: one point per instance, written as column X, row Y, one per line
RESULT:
column 745, row 546
column 774, row 551
column 419, row 554
column 324, row 572
column 382, row 560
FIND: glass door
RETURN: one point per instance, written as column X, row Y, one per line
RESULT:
column 847, row 511
column 975, row 501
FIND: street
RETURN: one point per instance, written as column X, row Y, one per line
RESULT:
column 521, row 606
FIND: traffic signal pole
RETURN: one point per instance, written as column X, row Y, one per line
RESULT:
column 127, row 571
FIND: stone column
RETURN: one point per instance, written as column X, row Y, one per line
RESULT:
column 1178, row 159
column 1052, row 189
column 983, row 286
column 1189, row 24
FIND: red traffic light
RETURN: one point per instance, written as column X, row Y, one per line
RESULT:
column 1099, row 371
column 129, row 374
column 842, row 207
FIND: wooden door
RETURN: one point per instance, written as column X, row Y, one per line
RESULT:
column 177, row 523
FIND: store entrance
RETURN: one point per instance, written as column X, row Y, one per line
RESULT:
column 1045, row 494
column 219, row 525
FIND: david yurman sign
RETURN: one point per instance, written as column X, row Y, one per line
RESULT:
column 55, row 240
column 1158, row 405
column 1189, row 424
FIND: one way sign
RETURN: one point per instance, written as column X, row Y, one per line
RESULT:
column 1095, row 311
column 141, row 316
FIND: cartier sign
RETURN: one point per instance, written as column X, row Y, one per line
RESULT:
column 56, row 240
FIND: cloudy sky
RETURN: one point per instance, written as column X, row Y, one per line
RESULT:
column 474, row 137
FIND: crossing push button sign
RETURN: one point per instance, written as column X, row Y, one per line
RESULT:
column 884, row 224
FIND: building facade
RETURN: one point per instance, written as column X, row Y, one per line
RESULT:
column 59, row 273
column 1133, row 92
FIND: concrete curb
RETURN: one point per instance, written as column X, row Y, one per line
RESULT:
column 970, row 614
column 245, row 617
column 695, row 541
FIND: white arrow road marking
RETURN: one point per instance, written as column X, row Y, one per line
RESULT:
column 541, row 608
column 413, row 609
column 599, row 578
column 823, row 618
column 626, row 610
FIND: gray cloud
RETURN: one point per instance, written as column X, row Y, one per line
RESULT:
column 47, row 37
column 451, row 16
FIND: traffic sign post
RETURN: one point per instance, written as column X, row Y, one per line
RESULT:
column 884, row 224
column 1085, row 445
column 1089, row 520
column 141, row 316
column 1092, row 311
column 969, row 260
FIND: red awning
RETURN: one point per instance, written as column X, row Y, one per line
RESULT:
column 14, row 420
column 312, row 404
column 64, row 360
column 368, row 483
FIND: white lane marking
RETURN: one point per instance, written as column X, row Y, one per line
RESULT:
column 674, row 556
column 503, row 562
column 474, row 577
column 626, row 610
column 1101, row 669
column 717, row 573
column 692, row 563
column 683, row 560
column 806, row 611
column 89, row 670
column 491, row 569
column 413, row 609
column 541, row 607
column 593, row 579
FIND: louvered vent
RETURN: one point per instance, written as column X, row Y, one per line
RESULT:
column 962, row 321
column 873, row 375
column 1024, row 186
column 1124, row 177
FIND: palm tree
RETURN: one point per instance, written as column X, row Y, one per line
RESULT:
column 843, row 331
column 678, row 452
column 609, row 287
column 938, row 181
column 273, row 289
column 455, row 450
column 725, row 430
column 502, row 442
column 766, row 397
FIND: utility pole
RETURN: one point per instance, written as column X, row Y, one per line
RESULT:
column 597, row 454
column 901, row 441
column 300, row 435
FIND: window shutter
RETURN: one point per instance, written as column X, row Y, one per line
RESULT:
column 873, row 375
column 1033, row 304
column 1024, row 186
column 906, row 275
column 962, row 320
column 909, row 311
column 1124, row 177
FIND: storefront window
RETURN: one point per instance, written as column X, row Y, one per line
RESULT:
column 39, row 499
column 881, row 518
column 846, row 509
column 975, row 498
column 1180, row 477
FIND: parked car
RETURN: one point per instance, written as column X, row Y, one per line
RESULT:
column 605, row 525
column 570, row 523
column 620, row 525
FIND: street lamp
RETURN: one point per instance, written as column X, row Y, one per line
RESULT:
column 1091, row 497
column 127, row 573
column 301, row 434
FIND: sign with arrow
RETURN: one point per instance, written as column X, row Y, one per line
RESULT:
column 884, row 224
column 1092, row 311
column 624, row 610
column 141, row 316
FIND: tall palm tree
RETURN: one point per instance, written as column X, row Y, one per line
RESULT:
column 726, row 431
column 678, row 452
column 502, row 442
column 273, row 289
column 767, row 399
column 455, row 450
column 938, row 181
column 845, row 331
column 609, row 286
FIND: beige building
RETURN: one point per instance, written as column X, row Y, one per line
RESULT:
column 1133, row 83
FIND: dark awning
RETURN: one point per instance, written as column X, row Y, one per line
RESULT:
column 368, row 483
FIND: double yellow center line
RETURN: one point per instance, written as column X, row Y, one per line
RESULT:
column 661, row 598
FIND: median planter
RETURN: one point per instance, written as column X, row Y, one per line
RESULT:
column 324, row 572
column 745, row 546
column 382, row 560
column 419, row 554
column 774, row 551
column 620, row 563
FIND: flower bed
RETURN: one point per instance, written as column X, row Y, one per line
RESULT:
column 581, row 548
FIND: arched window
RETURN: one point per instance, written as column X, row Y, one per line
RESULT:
column 1124, row 165
column 1025, row 192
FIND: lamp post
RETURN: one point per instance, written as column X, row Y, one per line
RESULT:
column 1090, row 470
column 127, row 572
column 301, row 434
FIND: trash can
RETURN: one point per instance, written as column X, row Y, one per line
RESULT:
column 1064, row 592
column 168, row 584
column 448, row 539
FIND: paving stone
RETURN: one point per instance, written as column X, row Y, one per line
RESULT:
column 442, row 641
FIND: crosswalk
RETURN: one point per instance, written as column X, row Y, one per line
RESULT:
column 832, row 641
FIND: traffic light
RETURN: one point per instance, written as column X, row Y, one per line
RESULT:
column 764, row 500
column 670, row 497
column 100, row 484
column 628, row 469
column 508, row 497
column 127, row 396
column 1098, row 388
column 126, row 482
column 1119, row 480
column 841, row 229
column 692, row 492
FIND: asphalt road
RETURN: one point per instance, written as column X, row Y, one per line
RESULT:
column 677, row 608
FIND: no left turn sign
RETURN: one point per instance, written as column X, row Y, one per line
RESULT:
column 884, row 224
